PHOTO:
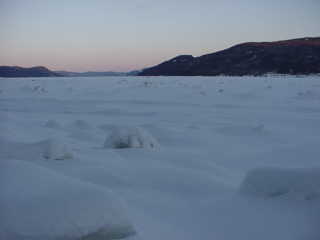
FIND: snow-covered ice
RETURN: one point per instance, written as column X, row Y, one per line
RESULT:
column 160, row 158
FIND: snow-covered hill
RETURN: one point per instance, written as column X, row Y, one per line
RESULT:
column 160, row 158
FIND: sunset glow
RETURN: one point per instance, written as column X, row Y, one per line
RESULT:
column 79, row 35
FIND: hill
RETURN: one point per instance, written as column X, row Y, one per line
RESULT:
column 295, row 56
column 14, row 71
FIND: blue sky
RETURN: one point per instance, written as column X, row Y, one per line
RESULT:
column 122, row 35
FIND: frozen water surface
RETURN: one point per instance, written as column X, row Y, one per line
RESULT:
column 160, row 158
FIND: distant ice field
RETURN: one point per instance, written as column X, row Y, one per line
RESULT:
column 160, row 158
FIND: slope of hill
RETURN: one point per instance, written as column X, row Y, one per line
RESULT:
column 14, row 71
column 296, row 56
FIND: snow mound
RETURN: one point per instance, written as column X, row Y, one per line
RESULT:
column 130, row 137
column 51, row 148
column 54, row 149
column 52, row 124
column 286, row 183
column 37, row 203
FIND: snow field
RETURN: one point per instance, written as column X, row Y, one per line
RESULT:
column 166, row 158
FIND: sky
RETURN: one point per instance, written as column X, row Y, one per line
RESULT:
column 125, row 35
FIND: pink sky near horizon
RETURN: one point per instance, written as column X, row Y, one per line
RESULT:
column 113, row 35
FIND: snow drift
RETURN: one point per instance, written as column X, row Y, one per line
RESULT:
column 303, row 184
column 51, row 149
column 42, row 204
column 130, row 137
column 54, row 149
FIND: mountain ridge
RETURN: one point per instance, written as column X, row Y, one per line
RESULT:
column 16, row 71
column 293, row 56
column 40, row 71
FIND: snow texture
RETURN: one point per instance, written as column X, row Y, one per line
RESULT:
column 239, row 158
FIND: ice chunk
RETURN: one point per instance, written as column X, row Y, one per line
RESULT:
column 130, row 137
column 54, row 149
column 37, row 203
column 287, row 183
